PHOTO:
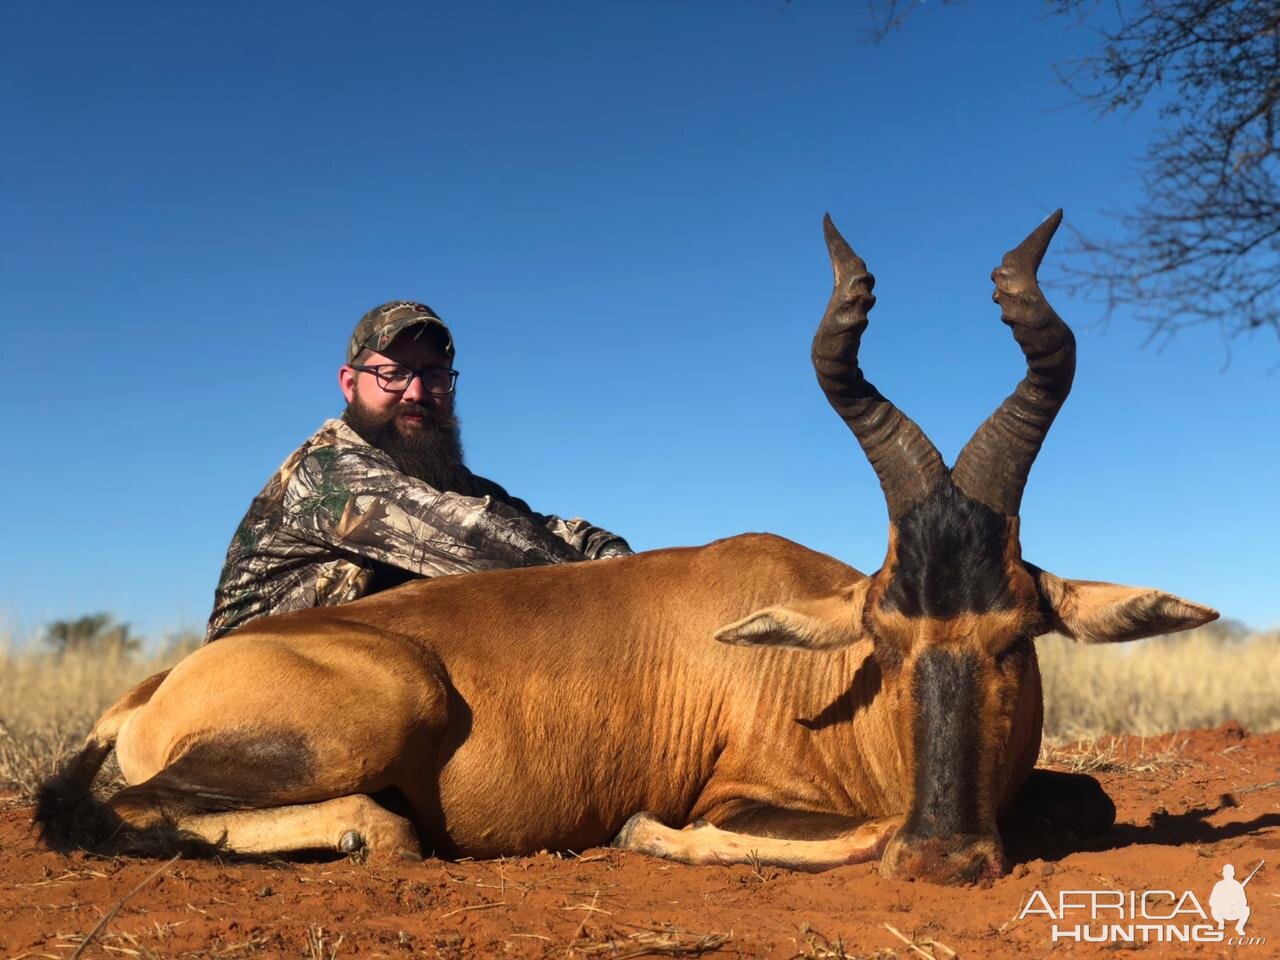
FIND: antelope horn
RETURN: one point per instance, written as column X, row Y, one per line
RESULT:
column 993, row 466
column 904, row 459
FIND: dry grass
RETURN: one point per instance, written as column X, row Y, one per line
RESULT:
column 1183, row 682
column 322, row 946
column 1198, row 679
column 49, row 702
column 663, row 941
column 819, row 946
column 1117, row 755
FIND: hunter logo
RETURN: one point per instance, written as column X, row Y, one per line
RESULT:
column 1148, row 916
column 1229, row 901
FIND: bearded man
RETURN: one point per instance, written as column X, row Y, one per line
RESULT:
column 382, row 496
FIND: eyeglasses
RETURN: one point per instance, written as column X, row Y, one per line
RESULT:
column 395, row 378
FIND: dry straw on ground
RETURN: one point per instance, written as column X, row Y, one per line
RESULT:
column 1199, row 679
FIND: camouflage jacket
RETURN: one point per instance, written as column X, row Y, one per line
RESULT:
column 339, row 520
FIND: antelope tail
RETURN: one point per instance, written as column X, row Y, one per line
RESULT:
column 70, row 817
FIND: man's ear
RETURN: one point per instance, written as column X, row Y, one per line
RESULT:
column 1095, row 612
column 347, row 381
column 821, row 623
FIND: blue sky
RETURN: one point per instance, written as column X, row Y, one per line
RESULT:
column 617, row 209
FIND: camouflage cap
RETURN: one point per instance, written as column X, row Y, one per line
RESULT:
column 381, row 325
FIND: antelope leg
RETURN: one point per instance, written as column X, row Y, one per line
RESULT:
column 1069, row 801
column 346, row 824
column 703, row 843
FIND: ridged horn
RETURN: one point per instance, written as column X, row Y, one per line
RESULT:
column 994, row 465
column 904, row 459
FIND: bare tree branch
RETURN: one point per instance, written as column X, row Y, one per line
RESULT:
column 1203, row 246
column 886, row 16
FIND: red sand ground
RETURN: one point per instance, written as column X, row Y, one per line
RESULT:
column 1187, row 804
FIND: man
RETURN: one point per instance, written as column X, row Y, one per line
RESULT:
column 382, row 496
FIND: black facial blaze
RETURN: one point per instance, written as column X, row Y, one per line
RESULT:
column 949, row 558
column 946, row 690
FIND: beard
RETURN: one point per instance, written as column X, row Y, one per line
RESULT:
column 430, row 451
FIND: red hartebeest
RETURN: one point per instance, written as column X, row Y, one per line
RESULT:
column 894, row 715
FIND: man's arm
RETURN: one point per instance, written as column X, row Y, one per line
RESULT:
column 596, row 542
column 354, row 500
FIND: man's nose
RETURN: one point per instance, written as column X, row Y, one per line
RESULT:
column 415, row 392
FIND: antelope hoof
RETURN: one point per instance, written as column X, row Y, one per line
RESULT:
column 950, row 861
column 638, row 834
column 351, row 842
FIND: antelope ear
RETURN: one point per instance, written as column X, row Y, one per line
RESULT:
column 1095, row 612
column 821, row 623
